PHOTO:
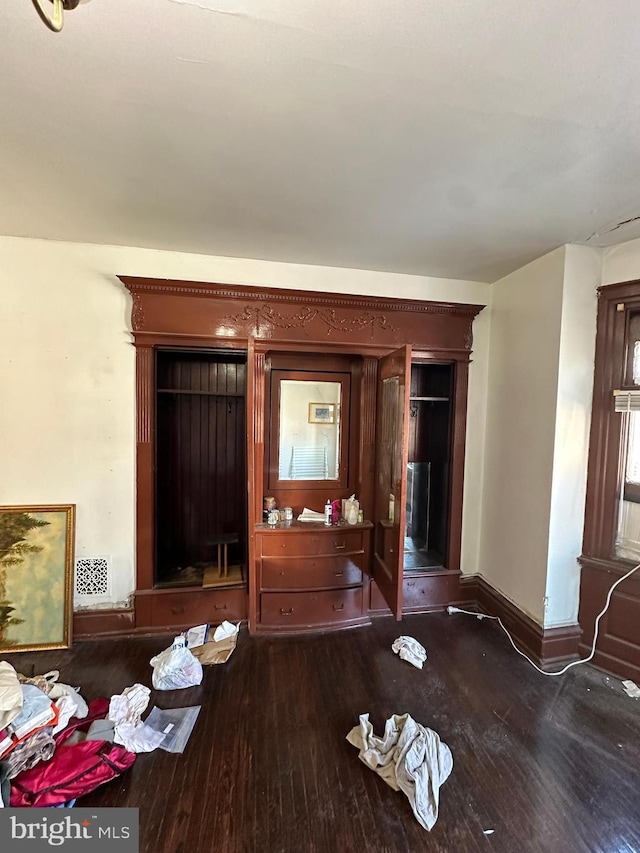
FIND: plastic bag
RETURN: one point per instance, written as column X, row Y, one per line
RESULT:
column 176, row 667
column 176, row 725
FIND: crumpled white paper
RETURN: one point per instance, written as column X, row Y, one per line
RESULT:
column 225, row 630
column 410, row 650
column 631, row 689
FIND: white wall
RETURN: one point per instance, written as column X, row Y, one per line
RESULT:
column 582, row 275
column 541, row 356
column 67, row 376
column 526, row 309
column 621, row 263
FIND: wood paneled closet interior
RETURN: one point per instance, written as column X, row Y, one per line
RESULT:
column 247, row 392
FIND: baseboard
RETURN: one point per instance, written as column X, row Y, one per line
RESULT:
column 95, row 624
column 547, row 647
column 611, row 664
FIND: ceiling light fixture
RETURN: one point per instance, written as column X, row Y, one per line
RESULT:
column 52, row 11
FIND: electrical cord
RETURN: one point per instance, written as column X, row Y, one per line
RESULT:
column 526, row 657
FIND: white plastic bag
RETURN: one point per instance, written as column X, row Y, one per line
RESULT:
column 176, row 667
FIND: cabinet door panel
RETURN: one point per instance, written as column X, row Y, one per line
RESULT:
column 394, row 375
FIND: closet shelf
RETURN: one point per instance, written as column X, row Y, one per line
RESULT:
column 431, row 399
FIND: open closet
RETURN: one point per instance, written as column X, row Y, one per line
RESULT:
column 201, row 451
column 247, row 394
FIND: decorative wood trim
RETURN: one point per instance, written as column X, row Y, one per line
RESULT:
column 258, row 398
column 137, row 312
column 144, row 393
column 263, row 315
column 369, row 374
column 91, row 624
column 266, row 295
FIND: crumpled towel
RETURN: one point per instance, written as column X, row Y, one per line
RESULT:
column 410, row 650
column 410, row 758
column 125, row 711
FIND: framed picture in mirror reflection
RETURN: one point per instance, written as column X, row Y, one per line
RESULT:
column 322, row 413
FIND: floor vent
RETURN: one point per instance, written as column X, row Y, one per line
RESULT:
column 92, row 577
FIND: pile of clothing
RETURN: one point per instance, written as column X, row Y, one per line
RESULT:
column 44, row 728
column 32, row 711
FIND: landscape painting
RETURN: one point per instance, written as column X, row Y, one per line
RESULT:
column 36, row 577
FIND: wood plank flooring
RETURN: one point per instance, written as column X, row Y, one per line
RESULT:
column 550, row 764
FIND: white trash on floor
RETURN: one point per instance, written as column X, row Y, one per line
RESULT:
column 125, row 712
column 410, row 650
column 176, row 668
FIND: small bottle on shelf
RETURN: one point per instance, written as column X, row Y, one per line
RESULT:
column 327, row 512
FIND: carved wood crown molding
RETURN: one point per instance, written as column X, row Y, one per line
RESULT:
column 258, row 316
column 227, row 291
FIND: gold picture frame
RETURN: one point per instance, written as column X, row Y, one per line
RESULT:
column 322, row 413
column 36, row 577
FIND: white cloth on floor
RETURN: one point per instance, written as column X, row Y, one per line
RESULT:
column 140, row 738
column 410, row 650
column 125, row 711
column 410, row 758
column 129, row 706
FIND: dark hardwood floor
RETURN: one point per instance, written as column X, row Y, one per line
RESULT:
column 549, row 764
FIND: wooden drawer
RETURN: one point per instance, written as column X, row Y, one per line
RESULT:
column 311, row 572
column 429, row 591
column 196, row 607
column 301, row 544
column 301, row 610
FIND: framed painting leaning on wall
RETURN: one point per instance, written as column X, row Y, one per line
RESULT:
column 36, row 577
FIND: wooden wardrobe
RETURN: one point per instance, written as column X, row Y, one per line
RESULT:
column 246, row 392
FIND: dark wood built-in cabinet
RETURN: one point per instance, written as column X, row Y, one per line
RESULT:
column 376, row 390
column 312, row 576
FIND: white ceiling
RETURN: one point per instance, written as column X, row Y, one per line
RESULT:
column 455, row 138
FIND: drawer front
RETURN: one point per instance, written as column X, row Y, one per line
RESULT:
column 310, row 609
column 333, row 541
column 432, row 591
column 195, row 608
column 311, row 572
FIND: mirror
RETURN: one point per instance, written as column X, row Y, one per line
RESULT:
column 310, row 424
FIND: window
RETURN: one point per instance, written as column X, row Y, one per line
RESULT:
column 612, row 521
